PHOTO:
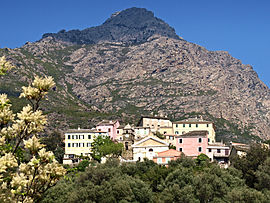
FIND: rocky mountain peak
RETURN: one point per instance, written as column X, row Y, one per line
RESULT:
column 133, row 25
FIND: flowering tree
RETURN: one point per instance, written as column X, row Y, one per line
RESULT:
column 27, row 170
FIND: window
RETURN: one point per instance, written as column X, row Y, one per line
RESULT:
column 88, row 144
column 171, row 137
column 117, row 131
column 151, row 150
column 68, row 144
column 109, row 130
column 218, row 150
column 199, row 140
column 72, row 136
column 209, row 150
column 176, row 125
column 89, row 137
column 197, row 125
column 76, row 136
column 68, row 136
column 82, row 137
column 99, row 129
column 208, row 139
column 126, row 145
column 190, row 125
column 207, row 125
column 180, row 140
column 165, row 133
column 183, row 132
column 159, row 160
column 180, row 149
column 184, row 125
column 167, row 160
column 73, row 145
column 82, row 144
column 199, row 149
column 176, row 132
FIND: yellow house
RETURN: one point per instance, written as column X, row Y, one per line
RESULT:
column 195, row 124
column 78, row 143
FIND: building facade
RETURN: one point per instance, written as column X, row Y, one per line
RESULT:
column 163, row 158
column 192, row 143
column 195, row 124
column 78, row 143
column 154, row 122
column 148, row 148
column 110, row 127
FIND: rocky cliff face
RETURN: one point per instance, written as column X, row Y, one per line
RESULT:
column 135, row 64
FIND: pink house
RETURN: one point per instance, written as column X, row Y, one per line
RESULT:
column 192, row 143
column 110, row 127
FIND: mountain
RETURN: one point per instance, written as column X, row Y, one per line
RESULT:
column 134, row 64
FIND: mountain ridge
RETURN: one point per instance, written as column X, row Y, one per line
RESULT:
column 125, row 78
column 133, row 25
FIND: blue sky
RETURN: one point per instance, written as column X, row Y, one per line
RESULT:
column 241, row 27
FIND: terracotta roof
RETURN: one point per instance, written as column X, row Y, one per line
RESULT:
column 169, row 153
column 195, row 133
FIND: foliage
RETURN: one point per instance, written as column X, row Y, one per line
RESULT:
column 159, row 135
column 148, row 182
column 101, row 147
column 250, row 163
column 172, row 147
column 54, row 142
column 27, row 170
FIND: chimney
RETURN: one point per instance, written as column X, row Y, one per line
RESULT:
column 79, row 127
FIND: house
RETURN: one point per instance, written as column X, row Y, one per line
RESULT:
column 142, row 132
column 119, row 133
column 195, row 124
column 239, row 149
column 110, row 127
column 192, row 143
column 154, row 122
column 164, row 157
column 148, row 148
column 78, row 143
column 219, row 152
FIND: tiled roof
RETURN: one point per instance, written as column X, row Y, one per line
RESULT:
column 194, row 133
column 169, row 153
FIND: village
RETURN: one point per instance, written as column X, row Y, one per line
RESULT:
column 155, row 138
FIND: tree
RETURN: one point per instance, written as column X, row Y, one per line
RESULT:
column 263, row 175
column 27, row 170
column 102, row 147
column 256, row 155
